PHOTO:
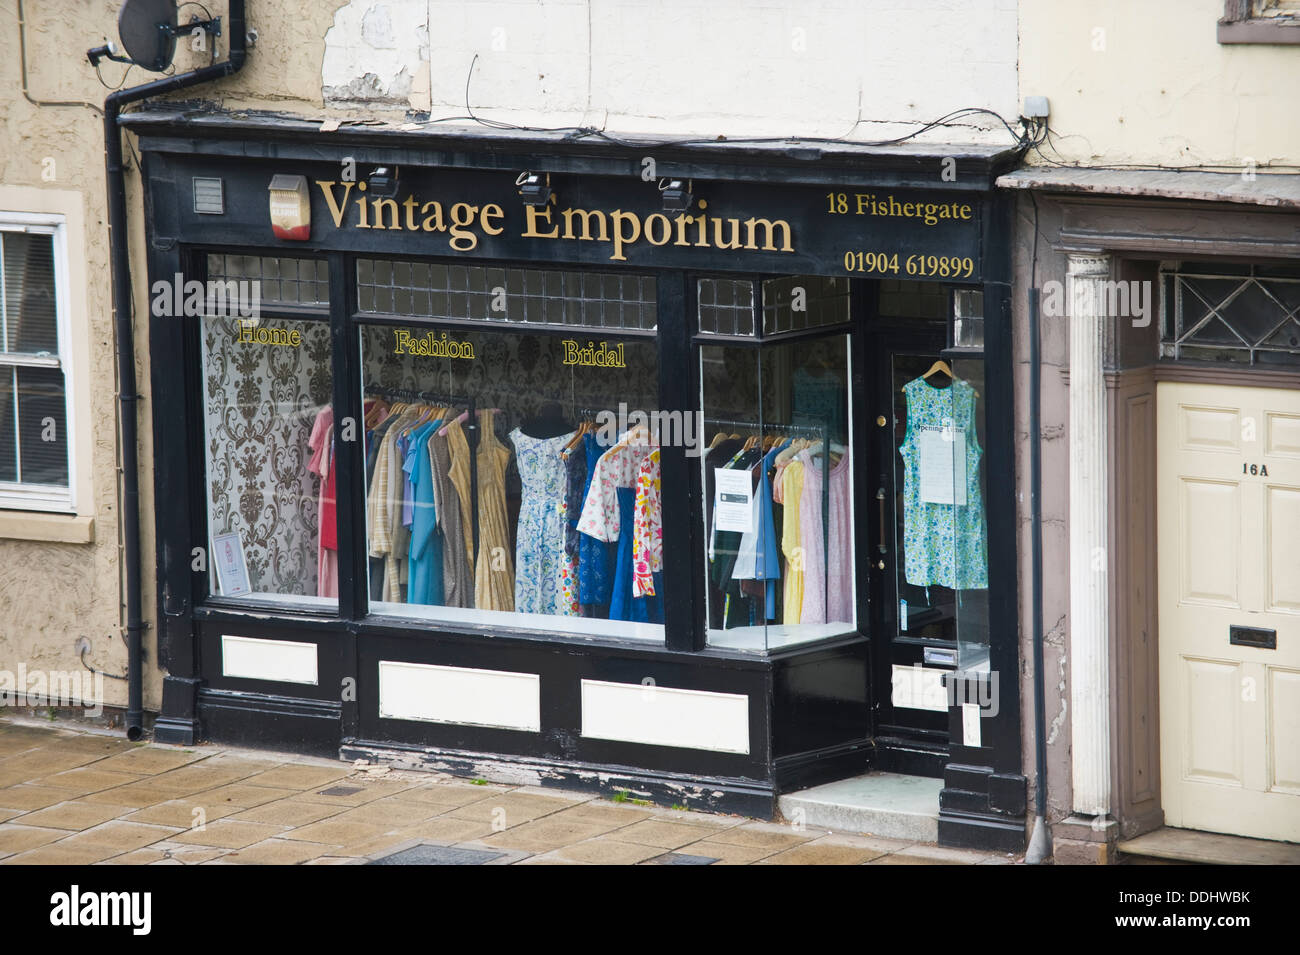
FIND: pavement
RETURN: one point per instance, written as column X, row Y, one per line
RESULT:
column 70, row 795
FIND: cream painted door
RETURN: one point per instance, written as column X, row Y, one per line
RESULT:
column 1228, row 476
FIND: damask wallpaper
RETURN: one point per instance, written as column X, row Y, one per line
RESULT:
column 259, row 405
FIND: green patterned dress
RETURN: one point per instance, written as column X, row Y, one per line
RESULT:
column 944, row 544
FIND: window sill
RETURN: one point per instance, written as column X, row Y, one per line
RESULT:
column 54, row 528
column 1260, row 31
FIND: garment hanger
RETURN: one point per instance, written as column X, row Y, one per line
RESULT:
column 942, row 366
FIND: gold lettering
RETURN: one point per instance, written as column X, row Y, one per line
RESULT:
column 655, row 219
column 409, row 206
column 490, row 211
column 682, row 222
column 586, row 236
column 769, row 230
column 965, row 211
column 378, row 206
column 462, row 214
column 531, row 215
column 432, row 220
column 336, row 209
column 734, row 242
column 618, row 217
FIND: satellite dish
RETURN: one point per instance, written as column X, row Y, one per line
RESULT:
column 147, row 29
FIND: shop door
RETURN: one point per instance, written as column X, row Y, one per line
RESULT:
column 918, row 602
column 1228, row 477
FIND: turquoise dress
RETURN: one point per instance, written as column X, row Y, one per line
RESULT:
column 425, row 553
column 944, row 544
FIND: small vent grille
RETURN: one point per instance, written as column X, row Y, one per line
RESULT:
column 209, row 197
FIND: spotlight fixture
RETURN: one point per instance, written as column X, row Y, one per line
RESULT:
column 677, row 194
column 382, row 182
column 535, row 190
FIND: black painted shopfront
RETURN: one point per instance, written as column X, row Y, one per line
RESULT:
column 783, row 555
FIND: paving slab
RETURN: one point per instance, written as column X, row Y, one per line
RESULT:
column 276, row 852
column 76, row 815
column 180, row 813
column 16, row 838
column 544, row 834
column 27, row 797
column 225, row 834
column 119, row 835
column 605, row 851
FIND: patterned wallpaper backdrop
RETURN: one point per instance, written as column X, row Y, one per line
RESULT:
column 259, row 403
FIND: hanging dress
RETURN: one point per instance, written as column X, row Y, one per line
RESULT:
column 321, row 443
column 541, row 569
column 494, row 573
column 944, row 541
column 595, row 555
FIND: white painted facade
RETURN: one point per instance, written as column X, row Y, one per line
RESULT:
column 861, row 69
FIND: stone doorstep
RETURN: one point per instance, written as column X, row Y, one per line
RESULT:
column 1209, row 848
column 882, row 804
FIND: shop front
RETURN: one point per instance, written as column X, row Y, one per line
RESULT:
column 684, row 470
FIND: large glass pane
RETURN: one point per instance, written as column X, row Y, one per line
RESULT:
column 269, row 449
column 777, row 476
column 28, row 312
column 42, row 426
column 939, row 522
column 508, row 482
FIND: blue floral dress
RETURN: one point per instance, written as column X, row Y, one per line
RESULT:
column 944, row 544
column 543, row 582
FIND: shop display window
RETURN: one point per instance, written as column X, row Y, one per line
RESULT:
column 777, row 463
column 511, row 480
column 269, row 460
column 939, row 507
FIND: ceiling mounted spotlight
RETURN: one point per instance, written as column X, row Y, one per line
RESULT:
column 382, row 182
column 535, row 190
column 677, row 194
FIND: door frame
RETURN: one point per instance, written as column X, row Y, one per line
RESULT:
column 918, row 745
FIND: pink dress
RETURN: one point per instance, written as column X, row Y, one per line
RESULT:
column 826, row 598
column 321, row 443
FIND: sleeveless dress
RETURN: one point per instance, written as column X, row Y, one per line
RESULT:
column 944, row 544
column 542, row 571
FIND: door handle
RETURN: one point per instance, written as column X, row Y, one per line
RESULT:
column 880, row 503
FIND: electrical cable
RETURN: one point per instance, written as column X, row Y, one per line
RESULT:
column 22, row 59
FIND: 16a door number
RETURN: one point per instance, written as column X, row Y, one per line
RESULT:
column 1254, row 470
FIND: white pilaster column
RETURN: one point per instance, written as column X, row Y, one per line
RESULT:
column 1089, row 544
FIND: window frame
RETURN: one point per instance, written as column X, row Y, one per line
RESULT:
column 29, row 496
column 1240, row 24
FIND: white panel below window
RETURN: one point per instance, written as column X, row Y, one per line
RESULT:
column 461, row 695
column 279, row 661
column 665, row 716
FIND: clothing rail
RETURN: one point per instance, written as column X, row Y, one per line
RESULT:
column 472, row 438
column 822, row 432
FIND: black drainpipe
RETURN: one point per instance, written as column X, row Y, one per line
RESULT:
column 120, row 263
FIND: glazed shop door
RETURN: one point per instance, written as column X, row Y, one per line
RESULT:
column 1228, row 476
column 927, row 556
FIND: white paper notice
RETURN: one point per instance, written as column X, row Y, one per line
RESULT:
column 232, row 571
column 733, row 500
column 942, row 466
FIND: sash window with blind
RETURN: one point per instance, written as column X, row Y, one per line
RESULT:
column 35, row 458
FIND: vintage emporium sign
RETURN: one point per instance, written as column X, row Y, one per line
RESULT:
column 621, row 222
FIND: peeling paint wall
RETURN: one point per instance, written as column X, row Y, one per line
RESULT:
column 1150, row 83
column 856, row 67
